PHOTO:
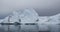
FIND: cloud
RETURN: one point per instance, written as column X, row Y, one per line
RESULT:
column 43, row 7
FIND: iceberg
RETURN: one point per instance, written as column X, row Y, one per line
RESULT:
column 54, row 23
column 49, row 23
column 44, row 23
column 26, row 16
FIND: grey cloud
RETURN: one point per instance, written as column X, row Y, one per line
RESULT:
column 43, row 7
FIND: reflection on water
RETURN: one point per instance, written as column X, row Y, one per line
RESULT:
column 10, row 28
column 25, row 28
column 17, row 28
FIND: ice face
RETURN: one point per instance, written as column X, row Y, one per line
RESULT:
column 29, row 15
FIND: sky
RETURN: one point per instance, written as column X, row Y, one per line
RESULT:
column 42, row 7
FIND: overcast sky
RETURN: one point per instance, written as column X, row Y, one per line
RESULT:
column 43, row 7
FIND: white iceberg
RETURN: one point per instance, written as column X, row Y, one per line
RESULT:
column 45, row 23
column 26, row 16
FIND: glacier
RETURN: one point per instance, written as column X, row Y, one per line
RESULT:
column 44, row 23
